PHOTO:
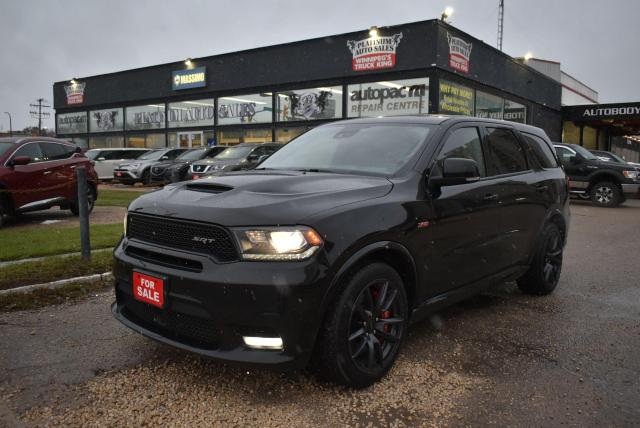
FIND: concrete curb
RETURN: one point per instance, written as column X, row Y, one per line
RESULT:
column 57, row 284
column 37, row 259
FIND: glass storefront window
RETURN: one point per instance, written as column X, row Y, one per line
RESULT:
column 106, row 120
column 455, row 99
column 150, row 116
column 515, row 112
column 254, row 108
column 489, row 106
column 310, row 104
column 80, row 142
column 284, row 135
column 156, row 141
column 106, row 142
column 191, row 113
column 388, row 98
column 72, row 123
column 135, row 141
column 230, row 137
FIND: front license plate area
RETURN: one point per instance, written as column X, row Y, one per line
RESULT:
column 148, row 289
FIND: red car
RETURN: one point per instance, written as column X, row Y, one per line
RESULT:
column 37, row 173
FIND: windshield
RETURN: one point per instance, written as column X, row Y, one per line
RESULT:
column 4, row 147
column 378, row 149
column 584, row 152
column 191, row 155
column 152, row 155
column 234, row 152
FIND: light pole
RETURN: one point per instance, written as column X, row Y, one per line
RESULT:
column 448, row 11
column 10, row 128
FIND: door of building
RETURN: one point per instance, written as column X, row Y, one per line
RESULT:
column 191, row 139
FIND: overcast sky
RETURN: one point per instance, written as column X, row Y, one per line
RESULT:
column 44, row 41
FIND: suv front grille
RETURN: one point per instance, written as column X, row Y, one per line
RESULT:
column 199, row 168
column 202, row 238
column 157, row 170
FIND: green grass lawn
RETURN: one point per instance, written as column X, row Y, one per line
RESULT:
column 116, row 198
column 53, row 269
column 20, row 243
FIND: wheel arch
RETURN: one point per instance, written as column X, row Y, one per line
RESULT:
column 391, row 253
column 604, row 176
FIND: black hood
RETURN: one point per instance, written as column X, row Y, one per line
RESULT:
column 260, row 197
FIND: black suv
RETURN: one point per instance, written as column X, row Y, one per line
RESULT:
column 607, row 184
column 178, row 169
column 236, row 158
column 329, row 249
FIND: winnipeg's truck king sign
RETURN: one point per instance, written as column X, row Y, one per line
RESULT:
column 374, row 53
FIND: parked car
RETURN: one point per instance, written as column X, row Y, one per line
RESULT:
column 139, row 170
column 330, row 248
column 178, row 169
column 37, row 173
column 236, row 158
column 105, row 160
column 606, row 184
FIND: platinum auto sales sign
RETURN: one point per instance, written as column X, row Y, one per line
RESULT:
column 374, row 53
column 75, row 93
column 459, row 53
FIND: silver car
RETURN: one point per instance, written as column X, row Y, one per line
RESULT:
column 105, row 160
column 139, row 170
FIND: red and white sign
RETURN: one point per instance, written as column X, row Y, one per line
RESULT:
column 374, row 53
column 459, row 53
column 148, row 289
column 75, row 93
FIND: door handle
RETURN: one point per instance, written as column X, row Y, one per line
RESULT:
column 490, row 197
column 47, row 172
column 542, row 188
column 73, row 166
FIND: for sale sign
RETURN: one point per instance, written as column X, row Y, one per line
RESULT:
column 374, row 53
column 148, row 289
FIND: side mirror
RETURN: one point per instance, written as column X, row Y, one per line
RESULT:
column 252, row 158
column 458, row 171
column 102, row 158
column 20, row 160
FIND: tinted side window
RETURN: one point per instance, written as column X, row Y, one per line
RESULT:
column 132, row 154
column 31, row 150
column 538, row 149
column 172, row 154
column 505, row 154
column 464, row 143
column 564, row 154
column 55, row 151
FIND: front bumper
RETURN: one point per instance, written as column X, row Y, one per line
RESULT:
column 631, row 190
column 125, row 174
column 208, row 312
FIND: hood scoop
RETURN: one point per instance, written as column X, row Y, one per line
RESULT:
column 208, row 187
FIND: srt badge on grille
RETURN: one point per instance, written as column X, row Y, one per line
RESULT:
column 203, row 240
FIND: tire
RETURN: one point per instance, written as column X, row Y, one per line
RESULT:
column 91, row 199
column 605, row 194
column 544, row 273
column 146, row 177
column 363, row 329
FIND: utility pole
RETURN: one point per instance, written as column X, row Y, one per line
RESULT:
column 10, row 127
column 39, row 114
column 500, row 22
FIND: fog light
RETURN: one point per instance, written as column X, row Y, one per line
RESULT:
column 263, row 342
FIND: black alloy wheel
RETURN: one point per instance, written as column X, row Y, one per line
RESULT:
column 376, row 325
column 363, row 329
column 146, row 176
column 605, row 194
column 544, row 273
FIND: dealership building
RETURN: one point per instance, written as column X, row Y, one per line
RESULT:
column 275, row 93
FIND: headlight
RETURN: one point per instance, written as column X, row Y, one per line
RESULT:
column 133, row 165
column 125, row 224
column 633, row 175
column 278, row 243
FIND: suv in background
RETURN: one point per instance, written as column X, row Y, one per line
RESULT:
column 235, row 158
column 37, row 173
column 606, row 183
column 330, row 248
column 105, row 160
column 139, row 170
column 178, row 169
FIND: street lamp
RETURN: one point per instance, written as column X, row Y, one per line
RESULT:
column 10, row 128
column 188, row 62
column 448, row 11
column 528, row 56
column 373, row 31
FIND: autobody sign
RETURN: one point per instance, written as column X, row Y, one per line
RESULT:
column 187, row 79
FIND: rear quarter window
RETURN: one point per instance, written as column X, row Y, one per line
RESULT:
column 538, row 150
column 505, row 153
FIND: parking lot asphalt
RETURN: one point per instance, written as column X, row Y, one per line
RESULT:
column 501, row 358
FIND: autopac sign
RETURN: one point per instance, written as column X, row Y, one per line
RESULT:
column 187, row 79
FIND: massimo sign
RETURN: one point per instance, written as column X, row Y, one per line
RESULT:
column 187, row 79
